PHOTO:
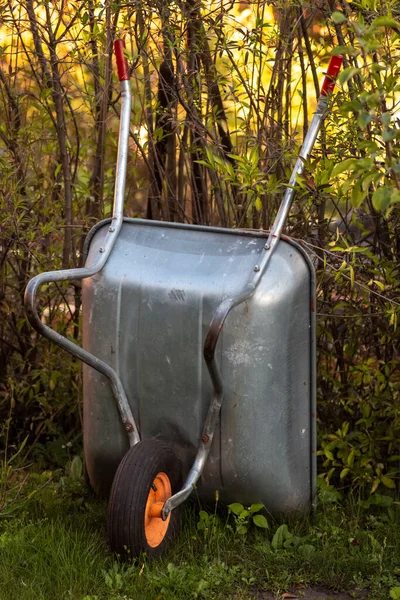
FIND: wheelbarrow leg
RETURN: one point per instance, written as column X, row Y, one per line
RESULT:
column 205, row 441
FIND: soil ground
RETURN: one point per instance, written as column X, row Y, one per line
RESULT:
column 314, row 594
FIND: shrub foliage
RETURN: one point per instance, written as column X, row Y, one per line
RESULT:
column 223, row 94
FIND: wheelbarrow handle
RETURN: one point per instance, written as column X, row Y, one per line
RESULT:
column 306, row 149
column 122, row 63
column 228, row 304
column 98, row 262
column 331, row 75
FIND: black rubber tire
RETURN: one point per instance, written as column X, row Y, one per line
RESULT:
column 129, row 493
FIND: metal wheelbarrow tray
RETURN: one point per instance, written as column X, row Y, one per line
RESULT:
column 147, row 314
column 199, row 360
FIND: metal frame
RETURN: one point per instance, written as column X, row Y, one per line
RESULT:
column 222, row 311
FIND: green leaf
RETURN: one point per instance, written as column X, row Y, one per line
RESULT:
column 371, row 147
column 347, row 74
column 364, row 118
column 375, row 485
column 385, row 22
column 254, row 508
column 380, row 500
column 350, row 459
column 76, row 468
column 381, row 198
column 344, row 473
column 350, row 50
column 345, row 165
column 395, row 593
column 388, row 482
column 389, row 135
column 238, row 158
column 352, row 276
column 244, row 514
column 347, row 185
column 366, row 181
column 328, row 454
column 338, row 17
column 306, row 550
column 236, row 508
column 260, row 521
column 358, row 195
column 352, row 106
column 281, row 534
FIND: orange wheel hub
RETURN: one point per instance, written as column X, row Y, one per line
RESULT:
column 155, row 528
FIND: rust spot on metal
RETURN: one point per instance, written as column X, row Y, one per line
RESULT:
column 313, row 305
column 128, row 427
column 205, row 438
column 252, row 232
column 215, row 328
column 313, row 415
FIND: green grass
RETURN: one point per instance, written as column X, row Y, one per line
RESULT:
column 53, row 547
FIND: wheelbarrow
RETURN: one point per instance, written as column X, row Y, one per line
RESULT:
column 199, row 360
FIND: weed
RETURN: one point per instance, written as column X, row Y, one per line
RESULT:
column 208, row 524
column 245, row 517
column 54, row 547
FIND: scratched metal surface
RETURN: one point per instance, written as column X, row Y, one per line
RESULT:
column 147, row 314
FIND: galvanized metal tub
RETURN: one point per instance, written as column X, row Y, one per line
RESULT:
column 147, row 313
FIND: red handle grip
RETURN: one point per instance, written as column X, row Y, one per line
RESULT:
column 122, row 63
column 331, row 74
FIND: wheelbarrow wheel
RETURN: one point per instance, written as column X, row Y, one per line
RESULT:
column 147, row 476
